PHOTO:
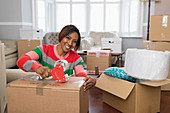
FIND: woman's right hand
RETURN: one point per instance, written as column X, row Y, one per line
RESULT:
column 43, row 71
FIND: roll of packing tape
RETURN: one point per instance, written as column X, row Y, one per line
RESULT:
column 63, row 62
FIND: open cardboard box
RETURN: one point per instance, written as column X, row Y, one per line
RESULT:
column 30, row 95
column 129, row 97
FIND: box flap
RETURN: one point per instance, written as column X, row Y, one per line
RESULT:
column 115, row 86
column 32, row 81
column 156, row 83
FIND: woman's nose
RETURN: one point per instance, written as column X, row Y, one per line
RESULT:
column 70, row 42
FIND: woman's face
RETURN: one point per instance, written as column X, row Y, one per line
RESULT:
column 69, row 42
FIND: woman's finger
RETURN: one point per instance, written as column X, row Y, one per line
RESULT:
column 46, row 73
column 88, row 86
column 87, row 80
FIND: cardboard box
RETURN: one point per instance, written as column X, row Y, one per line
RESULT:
column 30, row 33
column 115, row 44
column 25, row 46
column 30, row 95
column 160, row 46
column 98, row 58
column 129, row 97
column 2, row 79
column 159, row 28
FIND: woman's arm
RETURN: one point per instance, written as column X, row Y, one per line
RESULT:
column 79, row 71
column 89, row 81
column 27, row 62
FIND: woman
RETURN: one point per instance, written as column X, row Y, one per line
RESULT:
column 47, row 55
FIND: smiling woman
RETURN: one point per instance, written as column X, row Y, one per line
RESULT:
column 69, row 38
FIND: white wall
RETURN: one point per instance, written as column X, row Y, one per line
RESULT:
column 162, row 7
column 14, row 14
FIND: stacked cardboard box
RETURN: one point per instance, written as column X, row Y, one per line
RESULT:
column 159, row 38
column 143, row 97
column 31, row 95
column 25, row 46
column 2, row 79
column 100, row 59
column 159, row 28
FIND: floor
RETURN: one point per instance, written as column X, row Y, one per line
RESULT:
column 97, row 106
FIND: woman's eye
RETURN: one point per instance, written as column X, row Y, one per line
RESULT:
column 68, row 37
column 75, row 41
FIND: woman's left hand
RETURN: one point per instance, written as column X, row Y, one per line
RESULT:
column 89, row 82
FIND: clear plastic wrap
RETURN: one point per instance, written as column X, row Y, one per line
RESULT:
column 87, row 43
column 147, row 64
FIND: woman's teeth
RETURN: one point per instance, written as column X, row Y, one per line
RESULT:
column 67, row 47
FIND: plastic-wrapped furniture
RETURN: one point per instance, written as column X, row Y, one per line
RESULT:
column 93, row 40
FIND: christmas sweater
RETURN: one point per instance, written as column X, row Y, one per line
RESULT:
column 47, row 55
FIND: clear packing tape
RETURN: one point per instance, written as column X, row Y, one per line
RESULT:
column 147, row 64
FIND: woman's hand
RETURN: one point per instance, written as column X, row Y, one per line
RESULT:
column 89, row 82
column 43, row 71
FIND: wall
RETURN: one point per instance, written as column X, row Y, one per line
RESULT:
column 162, row 7
column 132, row 43
column 14, row 14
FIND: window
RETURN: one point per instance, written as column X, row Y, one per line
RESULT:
column 123, row 16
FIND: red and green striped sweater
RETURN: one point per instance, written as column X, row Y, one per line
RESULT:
column 47, row 56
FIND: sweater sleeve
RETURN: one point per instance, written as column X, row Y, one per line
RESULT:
column 79, row 71
column 27, row 62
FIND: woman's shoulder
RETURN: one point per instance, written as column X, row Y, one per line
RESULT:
column 44, row 45
column 73, row 52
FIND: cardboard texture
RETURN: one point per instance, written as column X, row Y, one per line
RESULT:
column 160, row 46
column 100, row 59
column 2, row 79
column 130, row 97
column 30, row 95
column 25, row 46
column 159, row 28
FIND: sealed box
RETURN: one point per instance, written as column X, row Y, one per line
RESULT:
column 159, row 28
column 100, row 59
column 129, row 97
column 2, row 79
column 160, row 46
column 115, row 44
column 31, row 95
column 31, row 34
column 25, row 46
